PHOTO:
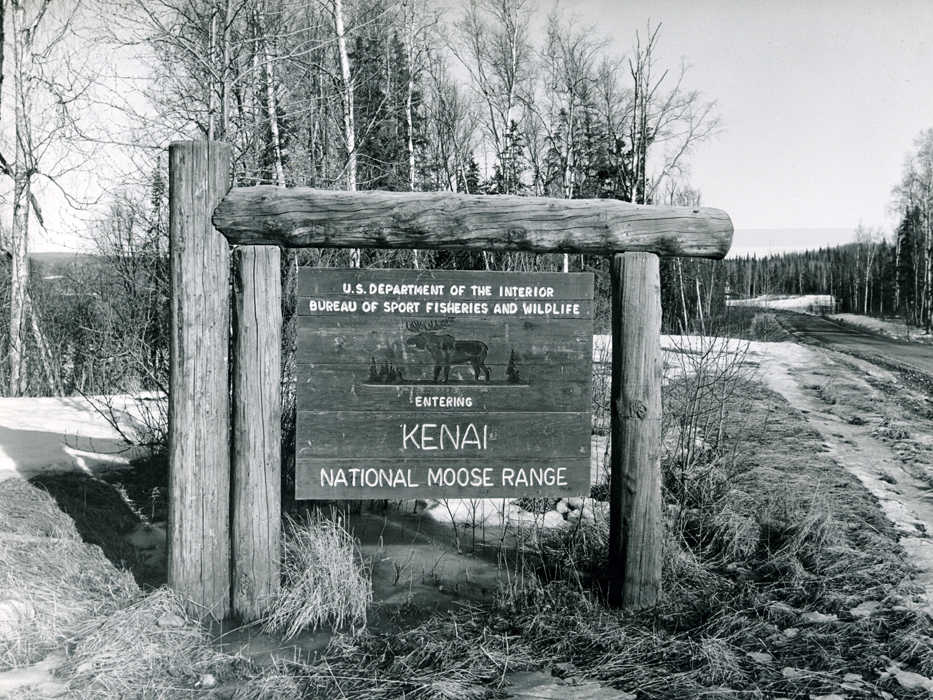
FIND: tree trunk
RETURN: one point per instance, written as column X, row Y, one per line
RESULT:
column 22, row 175
column 52, row 378
column 349, row 127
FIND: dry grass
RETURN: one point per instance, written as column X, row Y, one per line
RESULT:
column 50, row 580
column 325, row 582
column 760, row 581
column 31, row 511
column 57, row 584
column 149, row 649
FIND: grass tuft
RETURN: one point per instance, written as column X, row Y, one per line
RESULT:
column 325, row 582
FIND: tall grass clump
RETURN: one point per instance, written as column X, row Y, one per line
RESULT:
column 325, row 581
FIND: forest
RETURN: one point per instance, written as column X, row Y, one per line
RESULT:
column 876, row 274
column 497, row 97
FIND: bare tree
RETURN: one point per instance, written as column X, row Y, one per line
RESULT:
column 662, row 113
column 494, row 48
column 47, row 85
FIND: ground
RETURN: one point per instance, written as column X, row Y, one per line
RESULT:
column 854, row 405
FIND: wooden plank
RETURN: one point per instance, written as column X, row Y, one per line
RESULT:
column 347, row 388
column 444, row 376
column 635, row 528
column 356, row 342
column 327, row 281
column 437, row 435
column 346, row 307
column 199, row 411
column 257, row 430
column 432, row 220
column 455, row 478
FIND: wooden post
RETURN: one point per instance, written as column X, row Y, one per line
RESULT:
column 635, row 528
column 199, row 408
column 256, row 430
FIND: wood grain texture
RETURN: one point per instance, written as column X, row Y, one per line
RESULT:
column 199, row 410
column 500, row 435
column 256, row 527
column 347, row 388
column 635, row 534
column 415, row 474
column 354, row 340
column 324, row 281
column 368, row 378
column 309, row 217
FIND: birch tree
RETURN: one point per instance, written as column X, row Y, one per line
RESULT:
column 47, row 86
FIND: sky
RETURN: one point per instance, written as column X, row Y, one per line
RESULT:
column 820, row 103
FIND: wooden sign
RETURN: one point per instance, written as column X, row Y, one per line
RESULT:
column 446, row 384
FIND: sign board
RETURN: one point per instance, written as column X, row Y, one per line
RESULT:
column 416, row 383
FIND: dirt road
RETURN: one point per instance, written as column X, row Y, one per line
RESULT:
column 877, row 423
column 861, row 343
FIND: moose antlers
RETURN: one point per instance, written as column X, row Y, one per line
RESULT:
column 435, row 325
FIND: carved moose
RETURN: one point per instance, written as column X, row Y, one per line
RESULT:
column 447, row 351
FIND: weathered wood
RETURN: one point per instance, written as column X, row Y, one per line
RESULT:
column 432, row 220
column 470, row 308
column 347, row 388
column 327, row 281
column 435, row 434
column 340, row 339
column 256, row 510
column 199, row 410
column 368, row 375
column 411, row 478
column 635, row 534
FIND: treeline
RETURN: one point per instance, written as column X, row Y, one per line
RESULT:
column 874, row 274
column 493, row 97
column 861, row 275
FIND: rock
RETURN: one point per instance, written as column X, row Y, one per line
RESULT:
column 171, row 620
column 794, row 674
column 782, row 612
column 790, row 632
column 562, row 507
column 818, row 618
column 564, row 670
column 852, row 677
column 574, row 515
column 207, row 680
column 866, row 609
column 553, row 519
column 908, row 680
column 760, row 657
column 576, row 502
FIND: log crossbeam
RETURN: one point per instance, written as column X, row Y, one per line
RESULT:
column 306, row 217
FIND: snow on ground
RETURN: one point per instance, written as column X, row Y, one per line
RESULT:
column 807, row 303
column 63, row 433
column 895, row 328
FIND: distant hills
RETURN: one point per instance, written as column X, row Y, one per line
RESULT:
column 760, row 242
